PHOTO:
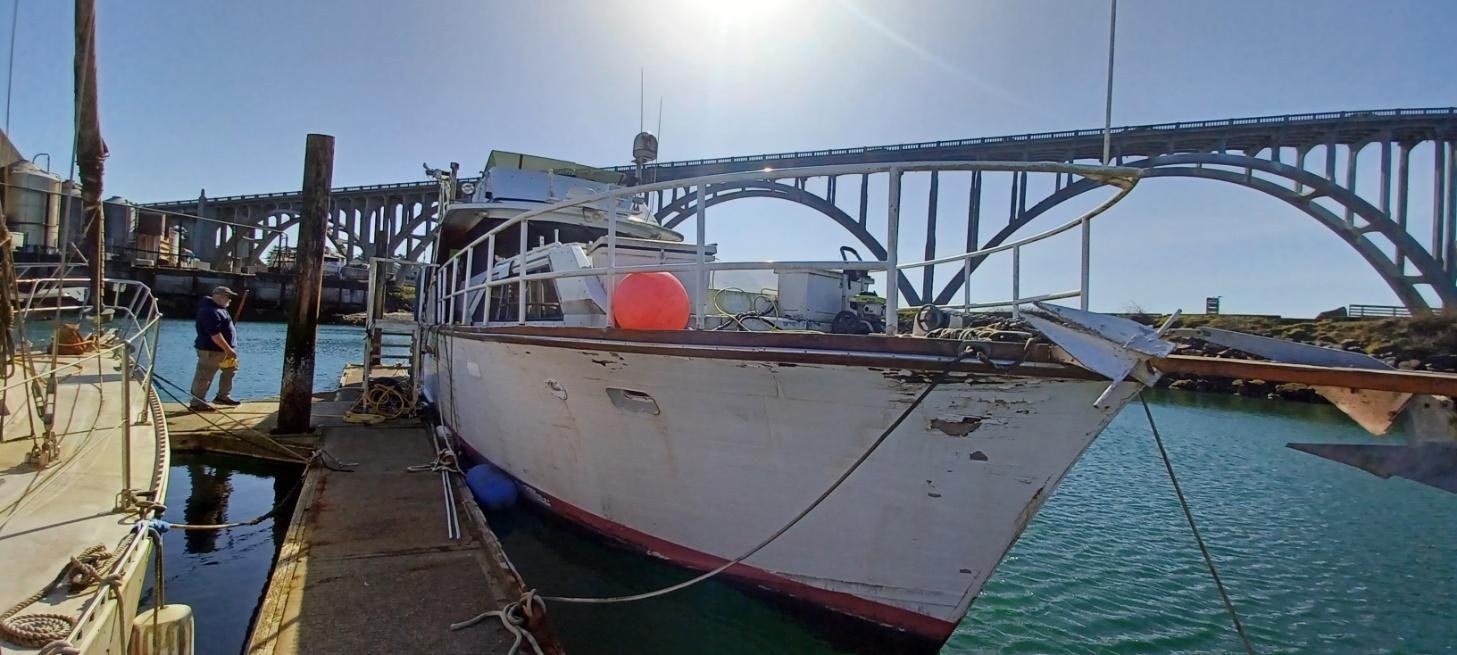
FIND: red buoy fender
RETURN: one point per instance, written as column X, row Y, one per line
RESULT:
column 650, row 301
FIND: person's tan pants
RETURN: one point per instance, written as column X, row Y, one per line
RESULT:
column 207, row 366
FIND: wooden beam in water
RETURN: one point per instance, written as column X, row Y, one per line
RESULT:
column 1438, row 384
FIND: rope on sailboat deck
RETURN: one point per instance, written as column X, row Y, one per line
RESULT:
column 531, row 602
column 44, row 628
column 1199, row 539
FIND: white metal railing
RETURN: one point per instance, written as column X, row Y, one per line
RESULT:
column 449, row 287
column 132, row 301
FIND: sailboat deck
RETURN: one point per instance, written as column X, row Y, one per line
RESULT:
column 48, row 515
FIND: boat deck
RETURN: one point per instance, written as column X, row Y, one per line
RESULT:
column 367, row 566
column 48, row 515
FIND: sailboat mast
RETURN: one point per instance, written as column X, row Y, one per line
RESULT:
column 90, row 150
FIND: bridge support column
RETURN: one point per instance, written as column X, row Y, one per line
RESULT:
column 1451, row 202
column 1440, row 230
column 1403, row 186
column 928, row 274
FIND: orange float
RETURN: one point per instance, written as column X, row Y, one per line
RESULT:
column 650, row 301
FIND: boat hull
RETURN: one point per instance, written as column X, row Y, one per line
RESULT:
column 698, row 457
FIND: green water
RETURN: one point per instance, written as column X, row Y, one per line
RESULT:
column 1319, row 557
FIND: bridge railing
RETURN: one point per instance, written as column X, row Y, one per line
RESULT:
column 1284, row 119
column 1377, row 311
column 1030, row 137
column 452, row 289
column 1281, row 119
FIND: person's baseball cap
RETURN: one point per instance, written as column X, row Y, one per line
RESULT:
column 224, row 291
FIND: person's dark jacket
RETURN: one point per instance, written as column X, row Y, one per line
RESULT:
column 212, row 319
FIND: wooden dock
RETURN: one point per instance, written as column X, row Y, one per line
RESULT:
column 367, row 566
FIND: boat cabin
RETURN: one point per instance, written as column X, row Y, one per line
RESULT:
column 573, row 239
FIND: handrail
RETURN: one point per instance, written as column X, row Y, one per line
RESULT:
column 448, row 286
column 1116, row 175
column 141, row 325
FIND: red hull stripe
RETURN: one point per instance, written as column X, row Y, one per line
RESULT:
column 887, row 615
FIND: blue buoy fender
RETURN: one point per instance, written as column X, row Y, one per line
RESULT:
column 492, row 488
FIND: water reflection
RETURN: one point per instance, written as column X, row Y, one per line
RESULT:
column 222, row 574
column 207, row 504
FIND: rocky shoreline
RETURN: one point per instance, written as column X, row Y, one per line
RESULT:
column 1421, row 343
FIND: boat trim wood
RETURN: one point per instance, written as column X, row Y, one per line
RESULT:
column 794, row 348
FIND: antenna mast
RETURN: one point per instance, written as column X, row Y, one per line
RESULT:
column 645, row 144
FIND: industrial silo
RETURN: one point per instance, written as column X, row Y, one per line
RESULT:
column 72, row 211
column 120, row 216
column 149, row 235
column 31, row 207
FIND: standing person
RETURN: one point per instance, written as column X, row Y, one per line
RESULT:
column 216, row 338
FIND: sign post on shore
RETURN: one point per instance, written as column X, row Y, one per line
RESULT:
column 295, row 405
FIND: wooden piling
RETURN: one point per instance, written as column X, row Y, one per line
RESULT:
column 295, row 398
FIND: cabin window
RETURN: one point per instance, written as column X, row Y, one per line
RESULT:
column 542, row 301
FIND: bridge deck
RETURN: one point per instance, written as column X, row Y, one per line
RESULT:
column 1406, row 125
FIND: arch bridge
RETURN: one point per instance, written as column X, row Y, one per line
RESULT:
column 1399, row 214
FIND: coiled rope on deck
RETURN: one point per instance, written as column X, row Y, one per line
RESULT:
column 42, row 628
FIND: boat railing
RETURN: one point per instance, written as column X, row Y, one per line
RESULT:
column 452, row 287
column 130, row 301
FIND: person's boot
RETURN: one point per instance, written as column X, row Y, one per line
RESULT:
column 198, row 406
column 226, row 400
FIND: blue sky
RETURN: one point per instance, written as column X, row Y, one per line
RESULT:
column 220, row 95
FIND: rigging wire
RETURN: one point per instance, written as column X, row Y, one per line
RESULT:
column 1194, row 528
column 10, row 73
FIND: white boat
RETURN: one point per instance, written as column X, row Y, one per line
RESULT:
column 701, row 444
column 696, row 444
column 83, row 460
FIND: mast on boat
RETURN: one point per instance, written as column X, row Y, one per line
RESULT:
column 90, row 149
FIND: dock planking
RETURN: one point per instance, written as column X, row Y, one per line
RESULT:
column 366, row 565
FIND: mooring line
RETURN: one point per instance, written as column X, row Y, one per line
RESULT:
column 935, row 382
column 320, row 455
column 1194, row 528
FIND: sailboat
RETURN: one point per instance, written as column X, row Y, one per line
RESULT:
column 83, row 438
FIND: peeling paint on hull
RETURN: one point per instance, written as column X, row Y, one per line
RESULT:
column 736, row 451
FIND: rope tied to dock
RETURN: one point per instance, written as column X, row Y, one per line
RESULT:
column 514, row 617
column 445, row 460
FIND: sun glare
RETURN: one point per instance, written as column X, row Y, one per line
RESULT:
column 745, row 14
